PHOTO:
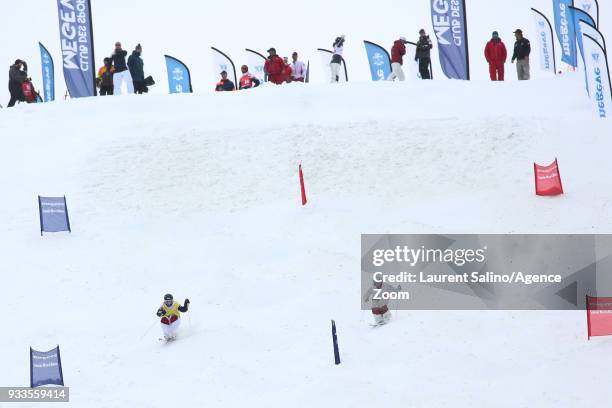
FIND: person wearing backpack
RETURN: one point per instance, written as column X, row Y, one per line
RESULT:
column 16, row 77
column 104, row 79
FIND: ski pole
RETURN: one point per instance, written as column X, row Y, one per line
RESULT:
column 148, row 330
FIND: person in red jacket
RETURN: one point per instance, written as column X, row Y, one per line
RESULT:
column 274, row 67
column 495, row 53
column 247, row 81
column 287, row 70
column 397, row 59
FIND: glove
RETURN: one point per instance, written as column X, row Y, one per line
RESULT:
column 187, row 301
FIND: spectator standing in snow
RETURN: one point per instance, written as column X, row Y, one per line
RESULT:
column 18, row 73
column 136, row 67
column 336, row 61
column 274, row 67
column 104, row 80
column 247, row 81
column 298, row 69
column 122, row 74
column 397, row 59
column 496, row 54
column 522, row 49
column 423, row 54
column 224, row 84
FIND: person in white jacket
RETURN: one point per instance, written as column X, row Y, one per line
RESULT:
column 336, row 62
column 298, row 69
column 380, row 306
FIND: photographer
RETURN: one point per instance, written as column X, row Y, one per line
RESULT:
column 423, row 55
column 16, row 78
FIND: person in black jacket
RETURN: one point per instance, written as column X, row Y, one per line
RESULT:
column 136, row 66
column 423, row 54
column 224, row 84
column 16, row 78
column 522, row 49
column 121, row 75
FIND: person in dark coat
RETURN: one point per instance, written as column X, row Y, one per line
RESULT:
column 224, row 84
column 423, row 54
column 136, row 66
column 121, row 75
column 17, row 76
column 496, row 54
column 522, row 49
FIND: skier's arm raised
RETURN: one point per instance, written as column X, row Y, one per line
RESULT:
column 185, row 306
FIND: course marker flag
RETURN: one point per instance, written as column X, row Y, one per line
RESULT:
column 547, row 179
column 599, row 316
column 45, row 368
column 53, row 213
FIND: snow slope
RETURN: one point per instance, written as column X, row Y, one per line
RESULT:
column 198, row 195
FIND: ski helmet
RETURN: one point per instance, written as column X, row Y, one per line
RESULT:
column 168, row 296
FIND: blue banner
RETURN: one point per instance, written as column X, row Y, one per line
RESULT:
column 45, row 368
column 77, row 47
column 578, row 15
column 566, row 33
column 48, row 74
column 53, row 214
column 379, row 60
column 450, row 25
column 179, row 78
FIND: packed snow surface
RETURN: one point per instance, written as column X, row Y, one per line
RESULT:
column 198, row 195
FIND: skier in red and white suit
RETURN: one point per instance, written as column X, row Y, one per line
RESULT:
column 380, row 306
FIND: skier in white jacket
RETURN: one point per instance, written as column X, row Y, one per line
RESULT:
column 336, row 62
column 380, row 306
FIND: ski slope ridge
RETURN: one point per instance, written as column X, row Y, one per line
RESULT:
column 198, row 195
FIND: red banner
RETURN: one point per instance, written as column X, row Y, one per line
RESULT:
column 302, row 188
column 599, row 316
column 547, row 179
